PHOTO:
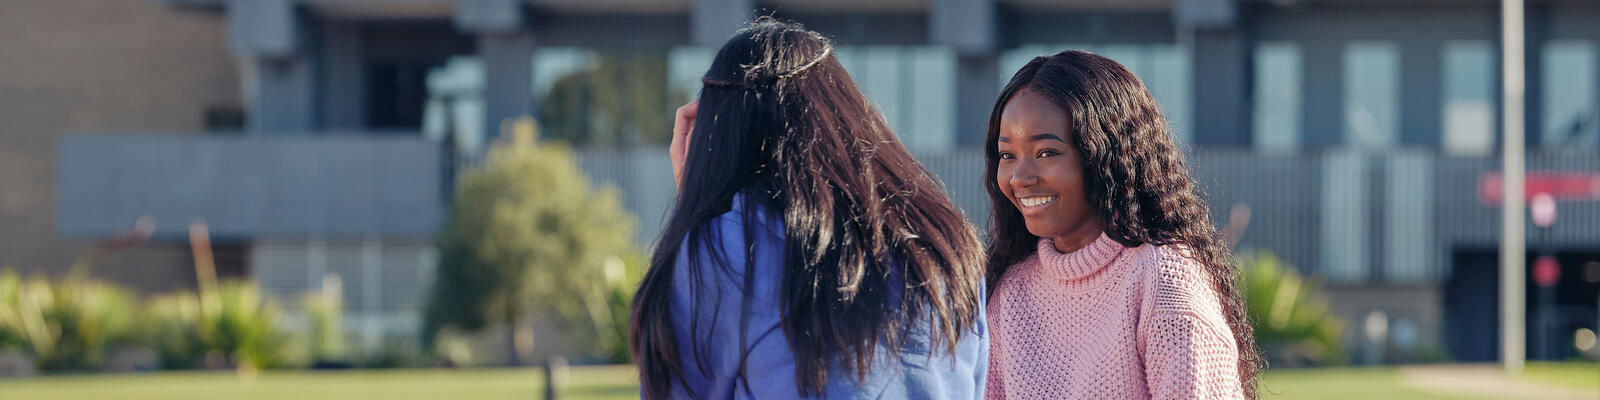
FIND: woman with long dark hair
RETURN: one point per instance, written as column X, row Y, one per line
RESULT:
column 808, row 254
column 1108, row 279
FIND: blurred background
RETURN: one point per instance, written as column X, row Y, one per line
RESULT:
column 298, row 186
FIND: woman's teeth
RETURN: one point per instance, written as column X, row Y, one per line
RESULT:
column 1035, row 201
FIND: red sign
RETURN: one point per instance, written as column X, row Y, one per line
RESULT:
column 1559, row 185
column 1546, row 271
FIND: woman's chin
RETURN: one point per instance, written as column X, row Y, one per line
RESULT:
column 1041, row 230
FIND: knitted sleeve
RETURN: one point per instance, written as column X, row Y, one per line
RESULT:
column 1189, row 351
column 995, row 386
column 1188, row 358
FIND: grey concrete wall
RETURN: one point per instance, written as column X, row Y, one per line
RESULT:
column 73, row 65
column 1020, row 26
column 250, row 186
column 601, row 30
column 1419, row 306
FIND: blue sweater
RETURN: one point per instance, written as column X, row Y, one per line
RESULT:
column 918, row 373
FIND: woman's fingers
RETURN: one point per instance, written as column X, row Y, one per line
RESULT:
column 682, row 123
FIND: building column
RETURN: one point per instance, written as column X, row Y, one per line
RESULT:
column 1322, row 121
column 505, row 45
column 1536, row 32
column 269, row 38
column 969, row 27
column 1220, row 72
column 712, row 22
column 977, row 87
column 343, row 70
column 508, row 79
column 1421, row 94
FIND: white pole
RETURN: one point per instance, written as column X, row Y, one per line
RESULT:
column 1512, row 239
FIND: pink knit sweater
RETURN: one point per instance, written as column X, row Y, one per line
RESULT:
column 1109, row 322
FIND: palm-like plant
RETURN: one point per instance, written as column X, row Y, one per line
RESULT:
column 232, row 326
column 66, row 325
column 1290, row 316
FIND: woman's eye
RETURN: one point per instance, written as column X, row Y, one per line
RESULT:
column 1048, row 153
column 1006, row 156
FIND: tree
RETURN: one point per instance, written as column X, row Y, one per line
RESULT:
column 621, row 100
column 526, row 234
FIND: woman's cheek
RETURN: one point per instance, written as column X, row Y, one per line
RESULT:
column 1002, row 179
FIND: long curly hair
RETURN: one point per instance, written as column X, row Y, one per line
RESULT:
column 1133, row 174
column 873, row 249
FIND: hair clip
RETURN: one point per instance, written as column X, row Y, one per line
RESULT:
column 769, row 82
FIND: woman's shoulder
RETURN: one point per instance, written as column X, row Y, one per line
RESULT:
column 1175, row 280
column 1020, row 270
column 744, row 217
column 746, row 239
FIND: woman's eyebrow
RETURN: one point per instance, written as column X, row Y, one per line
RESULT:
column 1038, row 137
column 1047, row 136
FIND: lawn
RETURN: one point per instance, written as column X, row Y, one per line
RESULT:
column 1390, row 382
column 617, row 382
column 606, row 382
column 1339, row 383
column 1577, row 375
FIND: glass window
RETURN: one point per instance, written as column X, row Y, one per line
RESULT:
column 586, row 97
column 931, row 77
column 914, row 88
column 603, row 97
column 1275, row 118
column 1166, row 73
column 1012, row 60
column 1163, row 67
column 1371, row 94
column 1469, row 113
column 685, row 67
column 1568, row 101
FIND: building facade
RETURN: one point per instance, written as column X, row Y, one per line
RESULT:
column 1358, row 134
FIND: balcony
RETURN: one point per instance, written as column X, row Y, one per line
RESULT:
column 250, row 186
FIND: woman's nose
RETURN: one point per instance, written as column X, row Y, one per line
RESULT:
column 1024, row 175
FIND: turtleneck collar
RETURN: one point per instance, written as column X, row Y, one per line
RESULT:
column 1079, row 263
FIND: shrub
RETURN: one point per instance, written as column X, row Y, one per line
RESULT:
column 23, row 327
column 1290, row 316
column 68, row 325
column 234, row 326
column 326, row 336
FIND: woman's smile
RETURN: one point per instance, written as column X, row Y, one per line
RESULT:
column 1029, row 203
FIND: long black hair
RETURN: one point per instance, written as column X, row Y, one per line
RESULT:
column 781, row 122
column 1133, row 174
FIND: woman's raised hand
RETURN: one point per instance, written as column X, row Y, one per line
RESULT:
column 682, row 123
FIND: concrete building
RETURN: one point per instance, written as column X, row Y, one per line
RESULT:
column 319, row 136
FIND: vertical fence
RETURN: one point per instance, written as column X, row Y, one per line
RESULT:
column 1346, row 216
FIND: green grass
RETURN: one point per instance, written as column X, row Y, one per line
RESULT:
column 1338, row 383
column 1576, row 375
column 607, row 382
column 618, row 382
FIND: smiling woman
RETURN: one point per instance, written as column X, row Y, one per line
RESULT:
column 1043, row 174
column 1108, row 279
